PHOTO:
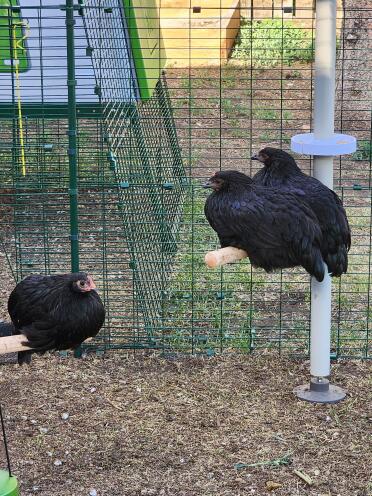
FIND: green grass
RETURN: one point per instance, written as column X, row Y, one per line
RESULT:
column 214, row 133
column 364, row 150
column 271, row 42
column 228, row 105
column 287, row 115
column 265, row 114
column 271, row 114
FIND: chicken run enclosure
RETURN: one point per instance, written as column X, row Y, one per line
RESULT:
column 143, row 134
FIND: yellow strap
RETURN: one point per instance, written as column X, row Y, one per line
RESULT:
column 18, row 46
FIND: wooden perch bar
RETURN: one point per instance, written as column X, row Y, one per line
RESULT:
column 224, row 256
column 12, row 344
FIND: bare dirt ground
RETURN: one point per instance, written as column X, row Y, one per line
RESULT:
column 150, row 426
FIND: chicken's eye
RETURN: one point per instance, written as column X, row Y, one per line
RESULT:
column 82, row 284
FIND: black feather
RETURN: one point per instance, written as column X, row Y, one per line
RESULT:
column 281, row 171
column 275, row 228
column 52, row 315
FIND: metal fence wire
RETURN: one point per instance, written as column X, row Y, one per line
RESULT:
column 238, row 77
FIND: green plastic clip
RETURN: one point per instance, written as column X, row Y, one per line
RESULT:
column 8, row 485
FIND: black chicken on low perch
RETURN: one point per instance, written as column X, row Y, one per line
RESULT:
column 281, row 171
column 53, row 313
column 274, row 228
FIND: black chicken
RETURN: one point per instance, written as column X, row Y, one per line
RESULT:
column 275, row 228
column 281, row 171
column 55, row 312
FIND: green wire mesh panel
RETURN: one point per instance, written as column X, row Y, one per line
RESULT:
column 151, row 185
column 128, row 224
column 145, row 160
column 261, row 97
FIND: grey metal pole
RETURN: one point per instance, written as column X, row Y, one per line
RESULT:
column 324, row 102
column 323, row 144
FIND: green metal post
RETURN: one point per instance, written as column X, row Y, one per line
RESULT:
column 72, row 137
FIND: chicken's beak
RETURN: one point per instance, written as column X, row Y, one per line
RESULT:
column 91, row 283
column 207, row 184
column 255, row 157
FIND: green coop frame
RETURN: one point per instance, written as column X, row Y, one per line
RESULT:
column 147, row 43
column 13, row 46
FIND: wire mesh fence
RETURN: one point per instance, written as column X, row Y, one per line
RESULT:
column 238, row 77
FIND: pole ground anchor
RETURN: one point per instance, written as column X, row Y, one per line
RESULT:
column 320, row 391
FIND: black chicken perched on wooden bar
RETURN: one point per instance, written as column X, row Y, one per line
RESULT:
column 55, row 312
column 281, row 171
column 275, row 229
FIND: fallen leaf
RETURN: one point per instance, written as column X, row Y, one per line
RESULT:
column 272, row 485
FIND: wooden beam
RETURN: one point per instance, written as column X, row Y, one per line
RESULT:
column 224, row 256
column 13, row 344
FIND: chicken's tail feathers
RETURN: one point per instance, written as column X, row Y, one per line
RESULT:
column 319, row 269
column 314, row 264
column 337, row 262
column 41, row 336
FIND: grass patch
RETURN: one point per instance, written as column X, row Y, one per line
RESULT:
column 271, row 42
column 265, row 114
column 364, row 150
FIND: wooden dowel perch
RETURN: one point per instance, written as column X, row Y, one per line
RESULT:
column 224, row 256
column 12, row 344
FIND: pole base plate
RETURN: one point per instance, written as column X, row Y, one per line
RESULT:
column 319, row 391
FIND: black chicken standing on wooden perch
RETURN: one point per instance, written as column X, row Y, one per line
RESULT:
column 281, row 171
column 273, row 227
column 54, row 313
